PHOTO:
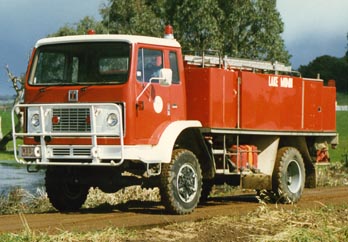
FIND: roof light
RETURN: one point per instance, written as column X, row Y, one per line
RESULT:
column 91, row 32
column 168, row 32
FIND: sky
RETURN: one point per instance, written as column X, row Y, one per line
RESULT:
column 23, row 22
column 312, row 28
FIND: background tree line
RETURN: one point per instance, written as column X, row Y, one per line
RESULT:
column 329, row 67
column 238, row 28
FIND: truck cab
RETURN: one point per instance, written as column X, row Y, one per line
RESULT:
column 140, row 79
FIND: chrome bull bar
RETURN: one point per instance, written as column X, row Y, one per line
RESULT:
column 48, row 126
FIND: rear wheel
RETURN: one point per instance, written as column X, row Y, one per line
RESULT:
column 181, row 182
column 288, row 175
column 64, row 190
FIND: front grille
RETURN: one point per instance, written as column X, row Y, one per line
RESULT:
column 61, row 151
column 72, row 120
column 71, row 151
column 81, row 152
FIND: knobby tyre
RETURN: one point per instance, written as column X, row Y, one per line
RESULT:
column 289, row 175
column 181, row 182
column 64, row 190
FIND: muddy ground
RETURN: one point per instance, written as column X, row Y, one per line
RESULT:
column 150, row 216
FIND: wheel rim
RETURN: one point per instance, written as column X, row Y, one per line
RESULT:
column 294, row 176
column 187, row 183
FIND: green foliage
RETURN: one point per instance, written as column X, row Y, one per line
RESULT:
column 328, row 67
column 197, row 24
column 252, row 30
column 131, row 17
column 342, row 98
column 6, row 127
column 339, row 154
column 5, row 121
column 80, row 28
column 246, row 29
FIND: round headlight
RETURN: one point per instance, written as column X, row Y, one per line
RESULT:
column 112, row 119
column 35, row 120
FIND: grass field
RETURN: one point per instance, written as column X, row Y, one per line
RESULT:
column 6, row 121
column 341, row 152
column 6, row 127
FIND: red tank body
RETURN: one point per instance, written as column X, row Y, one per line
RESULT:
column 266, row 101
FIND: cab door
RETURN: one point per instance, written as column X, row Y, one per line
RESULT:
column 152, row 99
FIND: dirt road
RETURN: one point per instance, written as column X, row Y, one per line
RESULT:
column 146, row 214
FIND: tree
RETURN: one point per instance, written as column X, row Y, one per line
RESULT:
column 239, row 28
column 197, row 23
column 328, row 67
column 81, row 28
column 131, row 17
column 253, row 30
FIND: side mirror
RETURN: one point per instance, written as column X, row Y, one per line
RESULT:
column 165, row 80
column 165, row 77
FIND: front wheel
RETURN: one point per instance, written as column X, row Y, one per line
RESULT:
column 181, row 182
column 64, row 190
column 288, row 175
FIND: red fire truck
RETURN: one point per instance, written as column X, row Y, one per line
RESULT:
column 112, row 111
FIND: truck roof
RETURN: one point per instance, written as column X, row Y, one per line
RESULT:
column 132, row 39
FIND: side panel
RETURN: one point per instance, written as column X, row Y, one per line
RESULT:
column 329, row 108
column 212, row 96
column 270, row 102
column 313, row 114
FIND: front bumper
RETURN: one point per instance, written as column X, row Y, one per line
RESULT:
column 70, row 122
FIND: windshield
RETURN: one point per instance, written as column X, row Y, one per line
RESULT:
column 81, row 63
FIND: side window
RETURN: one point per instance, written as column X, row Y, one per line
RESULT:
column 149, row 64
column 173, row 59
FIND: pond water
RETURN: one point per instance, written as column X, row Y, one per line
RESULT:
column 17, row 176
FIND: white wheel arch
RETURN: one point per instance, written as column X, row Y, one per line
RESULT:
column 162, row 152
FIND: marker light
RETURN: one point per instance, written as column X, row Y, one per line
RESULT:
column 55, row 120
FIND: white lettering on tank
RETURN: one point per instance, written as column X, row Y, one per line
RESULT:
column 273, row 81
column 286, row 82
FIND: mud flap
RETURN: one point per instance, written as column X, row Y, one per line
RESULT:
column 256, row 181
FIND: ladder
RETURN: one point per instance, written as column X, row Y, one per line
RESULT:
column 236, row 63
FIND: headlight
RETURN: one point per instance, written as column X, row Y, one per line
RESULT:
column 35, row 120
column 112, row 119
